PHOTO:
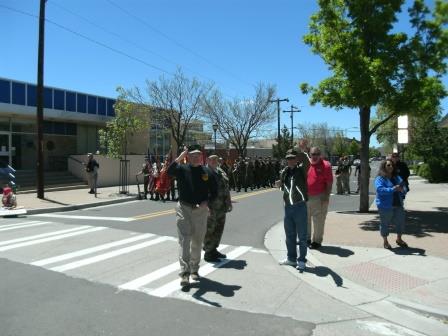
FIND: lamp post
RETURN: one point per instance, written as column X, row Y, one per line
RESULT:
column 215, row 128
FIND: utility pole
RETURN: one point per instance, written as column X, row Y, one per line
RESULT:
column 291, row 112
column 40, row 102
column 278, row 114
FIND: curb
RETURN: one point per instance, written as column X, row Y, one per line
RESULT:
column 78, row 206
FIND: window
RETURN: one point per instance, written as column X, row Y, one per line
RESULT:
column 70, row 128
column 102, row 106
column 48, row 127
column 48, row 98
column 82, row 103
column 18, row 93
column 91, row 107
column 110, row 108
column 70, row 101
column 5, row 91
column 59, row 128
column 59, row 100
column 31, row 95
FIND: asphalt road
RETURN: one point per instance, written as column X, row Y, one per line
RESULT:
column 89, row 272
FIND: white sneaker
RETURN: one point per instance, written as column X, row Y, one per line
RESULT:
column 301, row 265
column 287, row 262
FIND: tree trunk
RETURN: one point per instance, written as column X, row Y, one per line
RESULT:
column 364, row 121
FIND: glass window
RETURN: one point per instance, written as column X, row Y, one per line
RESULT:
column 91, row 107
column 5, row 91
column 31, row 95
column 110, row 108
column 18, row 93
column 102, row 106
column 71, row 129
column 70, row 100
column 24, row 125
column 59, row 128
column 48, row 98
column 82, row 103
column 59, row 100
column 48, row 127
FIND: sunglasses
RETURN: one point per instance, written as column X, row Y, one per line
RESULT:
column 315, row 154
column 389, row 165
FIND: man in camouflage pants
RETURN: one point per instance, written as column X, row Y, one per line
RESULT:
column 217, row 215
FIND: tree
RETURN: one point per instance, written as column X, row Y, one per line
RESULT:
column 130, row 118
column 319, row 135
column 372, row 63
column 353, row 148
column 177, row 102
column 279, row 150
column 241, row 119
column 340, row 147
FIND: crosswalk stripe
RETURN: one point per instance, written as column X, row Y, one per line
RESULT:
column 101, row 257
column 90, row 250
column 18, row 224
column 45, row 240
column 155, row 275
column 54, row 233
column 174, row 285
column 117, row 219
column 24, row 226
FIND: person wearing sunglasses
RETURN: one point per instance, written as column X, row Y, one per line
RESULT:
column 390, row 192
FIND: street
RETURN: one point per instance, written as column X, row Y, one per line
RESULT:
column 112, row 270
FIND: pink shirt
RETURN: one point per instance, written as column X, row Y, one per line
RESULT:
column 320, row 176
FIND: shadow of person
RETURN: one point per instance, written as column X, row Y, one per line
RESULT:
column 336, row 250
column 235, row 264
column 323, row 271
column 409, row 251
column 206, row 285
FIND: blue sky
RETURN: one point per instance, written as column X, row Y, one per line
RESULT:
column 235, row 43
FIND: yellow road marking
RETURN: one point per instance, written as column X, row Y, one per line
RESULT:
column 172, row 211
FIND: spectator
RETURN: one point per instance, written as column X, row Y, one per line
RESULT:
column 401, row 168
column 390, row 192
column 92, row 172
column 320, row 182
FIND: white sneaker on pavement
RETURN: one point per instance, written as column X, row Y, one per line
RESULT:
column 301, row 265
column 287, row 262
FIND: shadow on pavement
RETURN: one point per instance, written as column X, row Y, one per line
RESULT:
column 210, row 286
column 336, row 250
column 418, row 223
column 235, row 264
column 409, row 251
column 323, row 272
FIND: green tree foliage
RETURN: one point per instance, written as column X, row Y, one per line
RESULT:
column 374, row 152
column 373, row 63
column 279, row 150
column 340, row 147
column 353, row 148
column 130, row 118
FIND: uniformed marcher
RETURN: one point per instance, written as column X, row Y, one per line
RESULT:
column 217, row 213
column 197, row 188
column 147, row 177
column 249, row 175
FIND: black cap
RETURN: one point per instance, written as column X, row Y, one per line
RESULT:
column 291, row 154
column 194, row 149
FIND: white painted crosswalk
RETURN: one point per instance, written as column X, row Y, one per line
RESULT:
column 144, row 262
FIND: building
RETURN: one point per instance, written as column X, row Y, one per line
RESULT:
column 71, row 122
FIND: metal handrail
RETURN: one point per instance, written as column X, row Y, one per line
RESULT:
column 76, row 160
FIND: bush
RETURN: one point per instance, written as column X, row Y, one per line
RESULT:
column 434, row 171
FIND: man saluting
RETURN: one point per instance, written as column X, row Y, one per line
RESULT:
column 197, row 187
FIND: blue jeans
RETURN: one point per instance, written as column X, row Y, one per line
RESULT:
column 394, row 216
column 296, row 223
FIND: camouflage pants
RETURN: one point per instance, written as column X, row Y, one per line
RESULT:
column 215, row 228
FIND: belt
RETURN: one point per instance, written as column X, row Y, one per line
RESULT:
column 189, row 205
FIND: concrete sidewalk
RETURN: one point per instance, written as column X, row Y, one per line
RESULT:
column 408, row 287
column 67, row 200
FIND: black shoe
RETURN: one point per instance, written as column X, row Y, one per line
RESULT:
column 308, row 242
column 91, row 191
column 315, row 245
column 211, row 257
column 220, row 255
column 195, row 276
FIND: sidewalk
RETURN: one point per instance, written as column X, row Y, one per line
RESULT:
column 67, row 200
column 406, row 286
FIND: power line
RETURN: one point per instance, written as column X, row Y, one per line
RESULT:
column 180, row 45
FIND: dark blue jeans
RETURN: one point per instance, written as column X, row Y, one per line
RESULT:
column 296, row 223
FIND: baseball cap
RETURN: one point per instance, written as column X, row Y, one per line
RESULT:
column 194, row 149
column 291, row 154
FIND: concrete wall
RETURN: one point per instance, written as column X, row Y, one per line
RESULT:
column 109, row 171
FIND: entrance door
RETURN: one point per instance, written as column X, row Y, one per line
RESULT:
column 5, row 148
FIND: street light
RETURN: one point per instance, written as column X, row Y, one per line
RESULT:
column 215, row 128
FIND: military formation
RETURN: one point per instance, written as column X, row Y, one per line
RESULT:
column 252, row 173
